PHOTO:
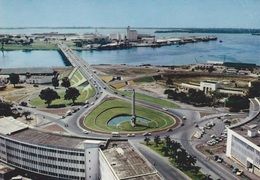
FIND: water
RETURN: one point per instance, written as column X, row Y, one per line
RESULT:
column 119, row 119
column 14, row 59
column 234, row 48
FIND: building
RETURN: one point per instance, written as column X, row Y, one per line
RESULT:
column 209, row 86
column 29, row 75
column 44, row 155
column 131, row 34
column 243, row 140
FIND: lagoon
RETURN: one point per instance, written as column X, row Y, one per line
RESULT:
column 234, row 48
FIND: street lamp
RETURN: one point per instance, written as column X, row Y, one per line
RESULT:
column 35, row 114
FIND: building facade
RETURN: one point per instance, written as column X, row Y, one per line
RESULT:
column 243, row 140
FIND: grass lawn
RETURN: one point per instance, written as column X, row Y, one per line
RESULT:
column 147, row 79
column 33, row 46
column 150, row 99
column 98, row 119
column 84, row 95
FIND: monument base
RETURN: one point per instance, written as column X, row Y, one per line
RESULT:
column 133, row 121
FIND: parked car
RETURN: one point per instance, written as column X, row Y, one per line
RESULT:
column 234, row 170
column 216, row 158
column 239, row 172
column 220, row 160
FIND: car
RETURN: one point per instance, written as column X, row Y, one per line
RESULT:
column 130, row 135
column 182, row 124
column 165, row 109
column 234, row 170
column 196, row 125
column 239, row 172
column 86, row 106
column 184, row 117
column 169, row 130
column 220, row 160
column 215, row 158
column 147, row 134
column 92, row 103
column 85, row 131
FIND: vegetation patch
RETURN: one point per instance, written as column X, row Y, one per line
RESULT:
column 144, row 79
column 177, row 155
column 84, row 95
column 119, row 85
column 98, row 119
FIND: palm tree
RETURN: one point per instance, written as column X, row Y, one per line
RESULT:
column 181, row 157
column 168, row 141
column 191, row 160
column 147, row 140
column 165, row 150
column 157, row 140
column 174, row 147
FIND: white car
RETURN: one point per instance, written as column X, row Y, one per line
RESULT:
column 85, row 131
column 130, row 135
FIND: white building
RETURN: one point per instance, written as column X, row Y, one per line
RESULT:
column 39, row 79
column 131, row 34
column 45, row 155
column 115, row 36
column 209, row 86
column 243, row 140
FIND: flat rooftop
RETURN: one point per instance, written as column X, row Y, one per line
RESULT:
column 9, row 125
column 252, row 125
column 128, row 163
column 34, row 70
column 19, row 131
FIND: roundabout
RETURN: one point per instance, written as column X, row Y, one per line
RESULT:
column 115, row 115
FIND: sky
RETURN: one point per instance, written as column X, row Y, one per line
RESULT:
column 134, row 13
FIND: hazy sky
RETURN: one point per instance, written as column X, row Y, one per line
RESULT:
column 135, row 13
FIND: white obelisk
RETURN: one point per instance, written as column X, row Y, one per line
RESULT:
column 133, row 119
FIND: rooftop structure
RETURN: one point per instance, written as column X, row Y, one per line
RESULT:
column 127, row 162
column 23, row 71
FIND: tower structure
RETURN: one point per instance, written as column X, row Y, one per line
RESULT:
column 133, row 119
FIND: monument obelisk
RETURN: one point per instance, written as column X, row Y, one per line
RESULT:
column 133, row 119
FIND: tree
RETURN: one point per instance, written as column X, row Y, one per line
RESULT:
column 165, row 150
column 48, row 95
column 254, row 90
column 147, row 140
column 181, row 157
column 169, row 82
column 71, row 94
column 174, row 147
column 236, row 103
column 14, row 78
column 26, row 114
column 55, row 82
column 157, row 140
column 168, row 141
column 65, row 82
column 5, row 108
